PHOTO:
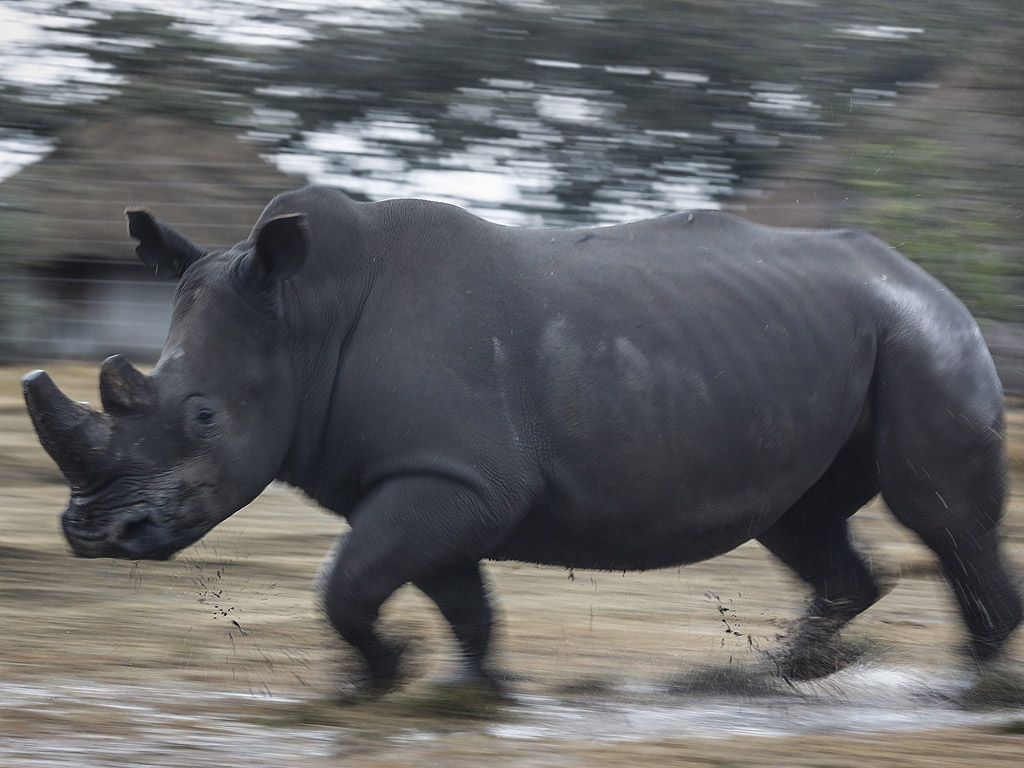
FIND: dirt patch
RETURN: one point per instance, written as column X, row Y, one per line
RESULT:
column 220, row 656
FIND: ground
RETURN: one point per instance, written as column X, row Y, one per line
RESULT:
column 220, row 657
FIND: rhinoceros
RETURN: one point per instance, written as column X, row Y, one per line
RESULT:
column 627, row 397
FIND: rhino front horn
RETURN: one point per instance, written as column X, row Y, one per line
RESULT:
column 124, row 389
column 74, row 435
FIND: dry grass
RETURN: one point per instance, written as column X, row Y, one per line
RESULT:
column 235, row 615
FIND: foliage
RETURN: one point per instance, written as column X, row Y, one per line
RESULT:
column 735, row 84
column 913, row 193
column 612, row 99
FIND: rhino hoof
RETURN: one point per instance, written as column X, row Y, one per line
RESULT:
column 804, row 661
column 466, row 697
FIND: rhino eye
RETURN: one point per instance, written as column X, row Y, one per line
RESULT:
column 202, row 416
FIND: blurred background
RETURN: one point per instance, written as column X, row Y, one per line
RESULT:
column 903, row 118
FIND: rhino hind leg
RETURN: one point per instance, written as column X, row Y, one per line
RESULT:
column 813, row 539
column 952, row 498
column 942, row 469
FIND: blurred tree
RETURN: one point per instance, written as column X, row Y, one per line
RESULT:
column 938, row 175
column 612, row 98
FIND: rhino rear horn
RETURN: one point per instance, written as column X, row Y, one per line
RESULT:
column 75, row 436
column 124, row 389
column 160, row 246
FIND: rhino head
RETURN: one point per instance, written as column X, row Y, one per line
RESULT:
column 178, row 450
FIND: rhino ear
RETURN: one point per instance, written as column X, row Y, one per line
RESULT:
column 282, row 245
column 160, row 246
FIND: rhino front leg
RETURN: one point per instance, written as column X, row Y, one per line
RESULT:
column 415, row 529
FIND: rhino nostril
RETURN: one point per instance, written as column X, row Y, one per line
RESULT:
column 137, row 528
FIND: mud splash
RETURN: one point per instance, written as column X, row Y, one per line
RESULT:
column 81, row 723
column 857, row 700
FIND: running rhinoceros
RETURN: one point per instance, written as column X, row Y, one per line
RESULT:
column 626, row 397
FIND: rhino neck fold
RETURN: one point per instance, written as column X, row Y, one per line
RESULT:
column 321, row 419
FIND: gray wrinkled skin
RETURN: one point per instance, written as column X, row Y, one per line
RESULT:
column 627, row 397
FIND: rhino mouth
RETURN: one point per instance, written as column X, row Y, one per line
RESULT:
column 140, row 531
column 136, row 536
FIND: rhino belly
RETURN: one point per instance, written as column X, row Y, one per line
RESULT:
column 655, row 531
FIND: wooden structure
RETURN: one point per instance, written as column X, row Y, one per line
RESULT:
column 83, row 293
